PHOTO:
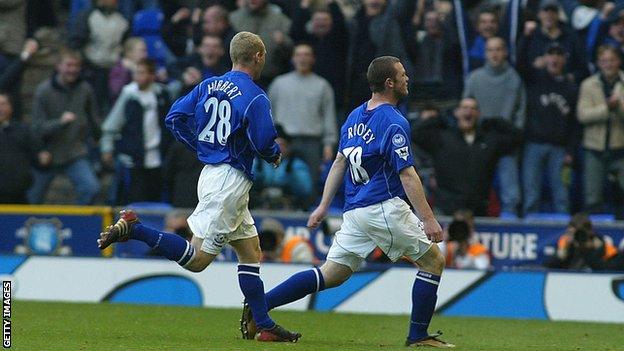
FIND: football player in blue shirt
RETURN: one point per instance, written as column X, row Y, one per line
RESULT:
column 226, row 120
column 375, row 156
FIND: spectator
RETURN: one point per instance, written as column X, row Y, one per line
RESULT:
column 329, row 38
column 134, row 51
column 422, row 160
column 275, row 248
column 18, row 152
column 177, row 31
column 550, row 132
column 181, row 171
column 65, row 118
column 437, row 64
column 303, row 103
column 580, row 247
column 461, row 249
column 290, row 185
column 11, row 72
column 465, row 158
column 12, row 26
column 551, row 31
column 488, row 23
column 134, row 131
column 99, row 33
column 203, row 64
column 271, row 235
column 374, row 31
column 606, row 28
column 215, row 21
column 266, row 20
column 500, row 94
column 601, row 112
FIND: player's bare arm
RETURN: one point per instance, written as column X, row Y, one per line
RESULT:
column 414, row 190
column 333, row 183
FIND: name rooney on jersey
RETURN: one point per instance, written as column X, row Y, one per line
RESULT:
column 229, row 88
column 362, row 130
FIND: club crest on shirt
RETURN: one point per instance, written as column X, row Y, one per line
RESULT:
column 402, row 152
column 398, row 140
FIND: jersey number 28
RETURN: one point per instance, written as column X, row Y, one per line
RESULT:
column 223, row 110
column 358, row 173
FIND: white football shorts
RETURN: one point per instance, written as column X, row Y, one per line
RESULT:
column 390, row 224
column 222, row 214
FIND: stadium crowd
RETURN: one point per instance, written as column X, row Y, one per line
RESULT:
column 516, row 107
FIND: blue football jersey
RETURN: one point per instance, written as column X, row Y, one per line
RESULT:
column 226, row 119
column 376, row 144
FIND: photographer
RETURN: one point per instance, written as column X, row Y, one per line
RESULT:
column 462, row 250
column 277, row 248
column 581, row 248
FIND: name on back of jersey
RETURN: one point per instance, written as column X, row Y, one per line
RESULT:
column 229, row 88
column 362, row 130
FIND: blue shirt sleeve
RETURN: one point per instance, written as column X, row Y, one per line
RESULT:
column 260, row 129
column 396, row 146
column 181, row 119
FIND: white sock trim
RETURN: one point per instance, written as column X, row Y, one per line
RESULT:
column 257, row 265
column 318, row 279
column 188, row 247
column 250, row 273
column 427, row 280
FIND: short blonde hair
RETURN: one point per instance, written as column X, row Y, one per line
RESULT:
column 244, row 47
column 131, row 43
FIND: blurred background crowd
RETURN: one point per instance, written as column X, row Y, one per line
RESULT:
column 516, row 106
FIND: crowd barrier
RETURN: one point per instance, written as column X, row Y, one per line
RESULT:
column 72, row 231
column 545, row 295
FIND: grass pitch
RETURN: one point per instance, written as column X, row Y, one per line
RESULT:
column 62, row 326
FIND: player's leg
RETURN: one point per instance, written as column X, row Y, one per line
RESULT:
column 301, row 284
column 425, row 296
column 249, row 254
column 172, row 246
column 345, row 255
column 398, row 232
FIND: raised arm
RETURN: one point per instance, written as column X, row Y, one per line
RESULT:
column 333, row 183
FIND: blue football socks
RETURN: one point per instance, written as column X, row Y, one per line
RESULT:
column 424, row 297
column 295, row 288
column 252, row 287
column 171, row 246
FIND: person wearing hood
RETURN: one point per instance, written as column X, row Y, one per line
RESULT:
column 64, row 117
column 498, row 89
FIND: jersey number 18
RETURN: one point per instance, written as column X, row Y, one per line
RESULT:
column 223, row 109
column 358, row 173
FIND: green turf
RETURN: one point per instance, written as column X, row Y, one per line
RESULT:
column 62, row 326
